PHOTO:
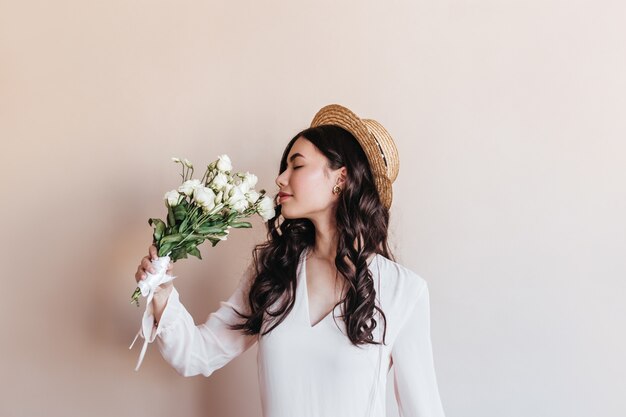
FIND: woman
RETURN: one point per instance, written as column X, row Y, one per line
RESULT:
column 329, row 307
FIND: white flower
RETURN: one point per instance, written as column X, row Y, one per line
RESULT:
column 243, row 187
column 266, row 208
column 237, row 199
column 175, row 159
column 219, row 181
column 252, row 196
column 223, row 163
column 204, row 197
column 234, row 193
column 172, row 197
column 241, row 205
column 187, row 163
column 188, row 186
column 250, row 179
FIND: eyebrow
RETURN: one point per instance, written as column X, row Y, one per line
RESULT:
column 294, row 156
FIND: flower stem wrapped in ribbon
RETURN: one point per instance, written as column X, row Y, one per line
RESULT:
column 199, row 210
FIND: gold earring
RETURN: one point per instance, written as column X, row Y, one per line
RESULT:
column 336, row 189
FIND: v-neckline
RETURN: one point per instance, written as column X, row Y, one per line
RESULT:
column 306, row 293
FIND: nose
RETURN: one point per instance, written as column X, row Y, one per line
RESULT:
column 280, row 182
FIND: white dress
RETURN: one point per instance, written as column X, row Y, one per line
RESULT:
column 315, row 371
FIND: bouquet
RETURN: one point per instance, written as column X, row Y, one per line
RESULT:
column 199, row 210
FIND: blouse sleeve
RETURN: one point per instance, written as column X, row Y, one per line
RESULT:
column 415, row 382
column 202, row 349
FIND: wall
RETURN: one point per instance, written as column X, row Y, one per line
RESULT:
column 510, row 201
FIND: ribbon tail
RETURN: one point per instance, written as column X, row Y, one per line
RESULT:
column 148, row 289
column 146, row 328
column 142, row 354
column 136, row 336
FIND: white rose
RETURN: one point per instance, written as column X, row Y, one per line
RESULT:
column 240, row 205
column 204, row 197
column 172, row 197
column 266, row 208
column 223, row 163
column 243, row 186
column 188, row 186
column 252, row 196
column 234, row 195
column 250, row 179
column 219, row 181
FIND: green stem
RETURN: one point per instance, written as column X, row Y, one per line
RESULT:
column 179, row 244
column 205, row 177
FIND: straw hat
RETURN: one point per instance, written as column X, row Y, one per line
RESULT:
column 377, row 143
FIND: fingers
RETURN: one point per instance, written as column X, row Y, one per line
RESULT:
column 147, row 265
column 140, row 274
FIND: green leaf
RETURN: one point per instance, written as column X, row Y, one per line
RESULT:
column 214, row 240
column 194, row 236
column 210, row 229
column 174, row 238
column 183, row 225
column 179, row 253
column 159, row 228
column 238, row 225
column 165, row 248
column 180, row 212
column 171, row 220
column 195, row 252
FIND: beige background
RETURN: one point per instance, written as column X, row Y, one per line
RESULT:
column 510, row 202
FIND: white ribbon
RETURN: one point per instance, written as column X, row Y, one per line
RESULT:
column 148, row 286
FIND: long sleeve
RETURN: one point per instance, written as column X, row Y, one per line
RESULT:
column 415, row 382
column 203, row 349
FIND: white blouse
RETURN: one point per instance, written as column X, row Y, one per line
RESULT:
column 315, row 371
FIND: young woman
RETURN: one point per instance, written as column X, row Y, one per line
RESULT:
column 324, row 299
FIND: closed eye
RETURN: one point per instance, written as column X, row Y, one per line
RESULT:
column 298, row 167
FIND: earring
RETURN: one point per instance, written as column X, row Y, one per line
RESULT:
column 336, row 189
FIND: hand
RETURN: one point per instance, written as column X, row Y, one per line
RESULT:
column 146, row 266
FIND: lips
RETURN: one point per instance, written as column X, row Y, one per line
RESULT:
column 282, row 197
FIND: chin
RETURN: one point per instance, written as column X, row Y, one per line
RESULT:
column 287, row 213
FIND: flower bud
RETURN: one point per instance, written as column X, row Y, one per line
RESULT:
column 172, row 197
column 223, row 163
column 188, row 186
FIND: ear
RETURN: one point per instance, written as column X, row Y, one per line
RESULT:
column 343, row 173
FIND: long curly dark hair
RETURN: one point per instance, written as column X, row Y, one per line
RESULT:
column 361, row 219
